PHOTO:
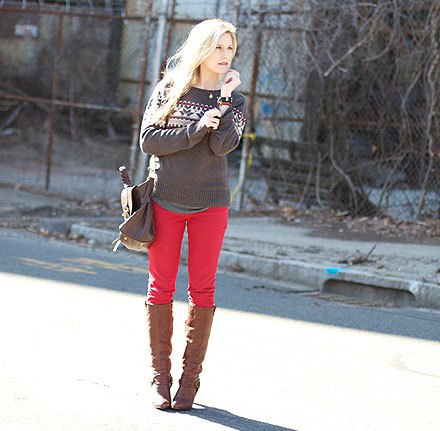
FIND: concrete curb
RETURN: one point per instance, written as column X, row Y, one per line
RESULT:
column 417, row 292
column 100, row 236
column 315, row 276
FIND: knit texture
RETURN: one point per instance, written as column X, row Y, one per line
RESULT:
column 190, row 159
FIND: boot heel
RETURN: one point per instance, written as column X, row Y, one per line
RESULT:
column 184, row 398
column 161, row 396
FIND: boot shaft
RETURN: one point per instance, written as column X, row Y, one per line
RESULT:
column 198, row 330
column 160, row 331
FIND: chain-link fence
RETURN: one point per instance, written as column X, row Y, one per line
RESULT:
column 72, row 87
column 346, row 104
column 343, row 99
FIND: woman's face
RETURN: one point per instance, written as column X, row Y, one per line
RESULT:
column 220, row 60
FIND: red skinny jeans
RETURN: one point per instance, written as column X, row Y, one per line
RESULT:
column 206, row 230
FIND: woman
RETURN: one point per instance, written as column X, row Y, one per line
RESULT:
column 193, row 119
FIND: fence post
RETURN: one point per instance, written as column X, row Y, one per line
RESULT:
column 141, row 92
column 162, row 20
column 250, row 117
column 170, row 29
column 56, row 67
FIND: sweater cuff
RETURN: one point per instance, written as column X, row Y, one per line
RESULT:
column 228, row 115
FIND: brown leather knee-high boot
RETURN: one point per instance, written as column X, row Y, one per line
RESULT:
column 198, row 329
column 160, row 330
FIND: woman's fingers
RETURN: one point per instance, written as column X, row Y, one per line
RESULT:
column 213, row 118
column 231, row 80
column 213, row 123
column 214, row 112
column 232, row 74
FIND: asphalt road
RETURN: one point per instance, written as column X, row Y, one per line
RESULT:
column 73, row 351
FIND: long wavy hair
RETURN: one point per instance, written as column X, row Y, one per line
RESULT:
column 184, row 66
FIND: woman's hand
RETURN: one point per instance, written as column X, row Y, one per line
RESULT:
column 211, row 118
column 231, row 81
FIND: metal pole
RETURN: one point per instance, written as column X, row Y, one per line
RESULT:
column 42, row 102
column 249, row 120
column 141, row 92
column 217, row 8
column 161, row 24
column 56, row 67
column 170, row 28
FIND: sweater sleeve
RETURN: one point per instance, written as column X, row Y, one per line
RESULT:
column 227, row 136
column 159, row 139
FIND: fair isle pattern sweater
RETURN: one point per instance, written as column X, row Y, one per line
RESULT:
column 190, row 159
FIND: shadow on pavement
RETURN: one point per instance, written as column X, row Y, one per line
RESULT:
column 26, row 254
column 223, row 417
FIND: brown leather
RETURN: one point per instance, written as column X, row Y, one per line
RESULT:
column 160, row 330
column 198, row 330
column 136, row 232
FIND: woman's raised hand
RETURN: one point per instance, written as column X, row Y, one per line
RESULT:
column 211, row 118
column 231, row 81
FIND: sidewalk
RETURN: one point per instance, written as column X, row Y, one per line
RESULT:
column 399, row 273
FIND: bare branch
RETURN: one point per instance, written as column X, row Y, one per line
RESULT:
column 353, row 48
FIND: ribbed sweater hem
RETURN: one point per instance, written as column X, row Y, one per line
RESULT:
column 193, row 198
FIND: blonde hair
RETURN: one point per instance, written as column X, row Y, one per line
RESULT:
column 184, row 65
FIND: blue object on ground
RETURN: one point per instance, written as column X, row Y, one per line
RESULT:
column 333, row 270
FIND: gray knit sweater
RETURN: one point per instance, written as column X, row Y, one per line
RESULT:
column 190, row 158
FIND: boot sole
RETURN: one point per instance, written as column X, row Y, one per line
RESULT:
column 161, row 407
column 181, row 408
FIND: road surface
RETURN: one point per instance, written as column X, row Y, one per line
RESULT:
column 74, row 355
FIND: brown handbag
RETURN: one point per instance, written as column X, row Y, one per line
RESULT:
column 136, row 232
